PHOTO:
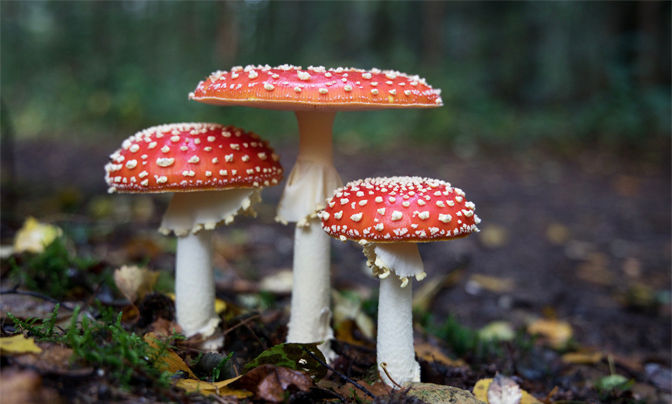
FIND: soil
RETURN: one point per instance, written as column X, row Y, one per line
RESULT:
column 584, row 239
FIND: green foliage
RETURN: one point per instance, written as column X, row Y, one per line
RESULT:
column 462, row 340
column 102, row 343
column 293, row 356
column 55, row 271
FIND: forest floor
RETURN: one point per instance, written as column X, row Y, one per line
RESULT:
column 566, row 289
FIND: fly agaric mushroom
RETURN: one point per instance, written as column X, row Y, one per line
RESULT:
column 315, row 95
column 388, row 217
column 185, row 158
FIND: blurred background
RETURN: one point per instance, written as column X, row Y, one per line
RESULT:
column 556, row 123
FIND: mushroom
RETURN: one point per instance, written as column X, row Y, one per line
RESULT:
column 388, row 217
column 315, row 95
column 185, row 158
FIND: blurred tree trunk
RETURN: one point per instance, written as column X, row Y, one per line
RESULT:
column 226, row 40
column 432, row 32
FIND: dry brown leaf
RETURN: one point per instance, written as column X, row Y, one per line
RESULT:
column 349, row 390
column 430, row 353
column 269, row 382
column 18, row 344
column 481, row 392
column 54, row 359
column 169, row 361
column 134, row 282
column 556, row 332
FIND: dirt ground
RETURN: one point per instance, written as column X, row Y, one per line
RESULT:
column 583, row 239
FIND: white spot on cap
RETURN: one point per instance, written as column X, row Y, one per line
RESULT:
column 303, row 75
column 175, row 138
column 356, row 217
column 143, row 174
column 338, row 215
column 188, row 173
column 440, row 204
column 392, row 199
column 229, row 158
column 347, row 88
column 381, row 211
column 144, row 182
column 134, row 148
column 215, row 160
column 151, row 145
column 445, row 218
column 235, row 146
column 363, row 202
column 262, row 155
column 131, row 164
column 323, row 91
column 245, row 158
column 379, row 227
column 193, row 160
column 421, row 202
column 297, row 89
column 407, row 92
column 222, row 172
column 165, row 162
column 165, row 149
column 269, row 87
column 252, row 75
column 374, row 91
column 162, row 179
column 366, row 76
column 424, row 215
column 379, row 199
column 396, row 215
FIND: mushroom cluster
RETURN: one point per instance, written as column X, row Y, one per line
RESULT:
column 315, row 95
column 388, row 217
column 188, row 159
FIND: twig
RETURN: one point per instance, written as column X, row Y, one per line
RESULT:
column 15, row 291
column 383, row 365
column 247, row 320
column 339, row 374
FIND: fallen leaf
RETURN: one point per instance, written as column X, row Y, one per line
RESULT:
column 504, row 390
column 347, row 309
column 348, row 390
column 497, row 331
column 481, row 392
column 269, row 382
column 431, row 353
column 556, row 332
column 494, row 236
column 134, row 282
column 208, row 388
column 490, row 283
column 436, row 393
column 167, row 360
column 34, row 236
column 279, row 282
column 557, row 233
column 292, row 356
column 25, row 387
column 614, row 381
column 18, row 344
column 583, row 358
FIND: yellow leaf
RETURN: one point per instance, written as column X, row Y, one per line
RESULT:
column 556, row 332
column 207, row 388
column 18, row 344
column 169, row 361
column 34, row 236
column 497, row 331
column 134, row 282
column 582, row 358
column 481, row 392
column 494, row 236
column 220, row 305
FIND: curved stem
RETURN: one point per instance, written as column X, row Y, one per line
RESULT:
column 195, row 284
column 395, row 332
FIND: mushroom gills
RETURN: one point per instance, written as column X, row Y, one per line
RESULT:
column 189, row 212
column 403, row 259
column 304, row 194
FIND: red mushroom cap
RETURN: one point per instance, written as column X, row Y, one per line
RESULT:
column 192, row 157
column 293, row 88
column 397, row 209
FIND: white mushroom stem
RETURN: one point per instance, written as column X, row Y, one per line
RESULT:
column 191, row 216
column 195, row 285
column 395, row 333
column 310, row 183
column 395, row 264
